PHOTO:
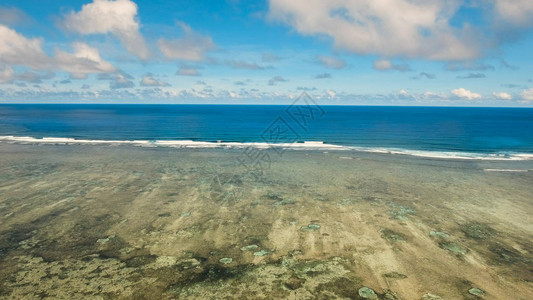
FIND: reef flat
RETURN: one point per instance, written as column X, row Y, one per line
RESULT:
column 125, row 222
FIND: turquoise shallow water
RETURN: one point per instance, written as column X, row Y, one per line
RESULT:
column 123, row 222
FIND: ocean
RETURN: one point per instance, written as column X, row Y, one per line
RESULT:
column 456, row 131
column 175, row 202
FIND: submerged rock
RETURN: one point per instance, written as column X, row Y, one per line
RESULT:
column 310, row 227
column 367, row 293
column 103, row 241
column 400, row 212
column 453, row 247
column 249, row 248
column 284, row 202
column 294, row 282
column 261, row 253
column 476, row 292
column 389, row 296
column 393, row 236
column 439, row 234
column 430, row 296
column 477, row 231
column 189, row 264
column 165, row 261
column 395, row 275
column 274, row 196
column 226, row 260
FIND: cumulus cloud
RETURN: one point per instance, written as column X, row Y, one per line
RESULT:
column 385, row 65
column 472, row 76
column 187, row 70
column 306, row 89
column 465, row 94
column 82, row 61
column 527, row 94
column 502, row 96
column 12, row 16
column 507, row 65
column 118, row 18
column 191, row 47
column 330, row 94
column 515, row 12
column 149, row 80
column 269, row 57
column 468, row 65
column 6, row 74
column 16, row 49
column 331, row 62
column 510, row 85
column 427, row 75
column 413, row 29
column 276, row 79
column 323, row 76
column 424, row 75
column 239, row 64
column 34, row 77
column 121, row 81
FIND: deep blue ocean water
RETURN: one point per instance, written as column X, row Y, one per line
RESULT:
column 478, row 130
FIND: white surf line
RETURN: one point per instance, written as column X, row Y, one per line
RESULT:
column 306, row 145
column 447, row 155
column 507, row 170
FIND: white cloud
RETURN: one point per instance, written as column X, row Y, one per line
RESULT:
column 433, row 95
column 34, row 77
column 331, row 62
column 330, row 94
column 83, row 60
column 527, row 94
column 186, row 70
column 515, row 12
column 12, row 16
column 465, row 94
column 468, row 65
column 276, row 79
column 16, row 49
column 269, row 57
column 115, row 17
column 384, row 65
column 19, row 50
column 413, row 29
column 6, row 74
column 502, row 96
column 239, row 64
column 192, row 47
column 121, row 81
column 323, row 76
column 149, row 80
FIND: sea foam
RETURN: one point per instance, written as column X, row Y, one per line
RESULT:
column 306, row 145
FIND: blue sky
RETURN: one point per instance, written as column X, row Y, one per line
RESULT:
column 368, row 52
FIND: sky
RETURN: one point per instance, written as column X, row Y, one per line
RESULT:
column 341, row 52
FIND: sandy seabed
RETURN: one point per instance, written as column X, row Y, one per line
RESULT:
column 125, row 222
